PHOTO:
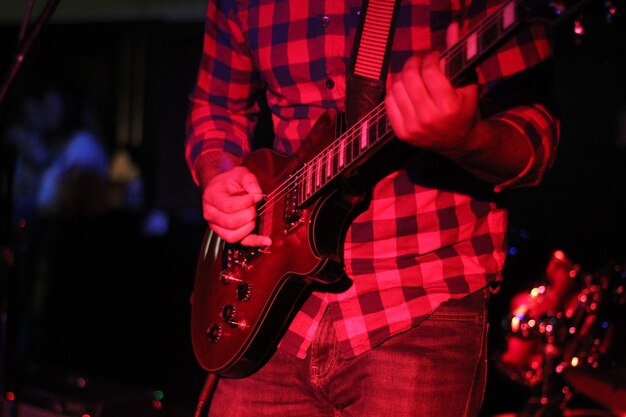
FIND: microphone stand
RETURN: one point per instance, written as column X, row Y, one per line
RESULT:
column 27, row 38
column 26, row 42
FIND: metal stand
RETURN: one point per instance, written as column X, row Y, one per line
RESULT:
column 28, row 35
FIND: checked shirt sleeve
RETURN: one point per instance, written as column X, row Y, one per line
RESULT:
column 223, row 107
column 530, row 115
column 541, row 130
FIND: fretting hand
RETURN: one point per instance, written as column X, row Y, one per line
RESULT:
column 426, row 111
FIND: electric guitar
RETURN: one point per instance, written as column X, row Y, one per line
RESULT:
column 245, row 297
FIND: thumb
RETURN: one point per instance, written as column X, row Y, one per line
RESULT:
column 250, row 184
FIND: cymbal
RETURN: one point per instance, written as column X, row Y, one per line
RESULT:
column 574, row 412
column 570, row 412
column 605, row 386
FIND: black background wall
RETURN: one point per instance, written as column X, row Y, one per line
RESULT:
column 115, row 302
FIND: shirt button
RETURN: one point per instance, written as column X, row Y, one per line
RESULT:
column 325, row 21
column 329, row 83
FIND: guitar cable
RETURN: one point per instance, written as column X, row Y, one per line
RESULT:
column 206, row 393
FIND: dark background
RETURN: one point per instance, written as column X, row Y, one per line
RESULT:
column 117, row 298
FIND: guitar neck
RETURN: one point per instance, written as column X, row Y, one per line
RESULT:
column 477, row 43
column 374, row 129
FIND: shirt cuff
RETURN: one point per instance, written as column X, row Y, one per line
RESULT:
column 541, row 131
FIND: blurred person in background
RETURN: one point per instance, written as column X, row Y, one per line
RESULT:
column 61, row 165
column 60, row 186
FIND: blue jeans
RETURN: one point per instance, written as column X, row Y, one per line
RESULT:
column 436, row 369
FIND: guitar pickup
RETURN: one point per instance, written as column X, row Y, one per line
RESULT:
column 292, row 215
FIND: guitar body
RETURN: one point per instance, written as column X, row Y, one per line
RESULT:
column 244, row 298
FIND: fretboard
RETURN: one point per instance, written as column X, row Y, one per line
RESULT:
column 373, row 130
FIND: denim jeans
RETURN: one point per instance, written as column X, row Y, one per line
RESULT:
column 436, row 369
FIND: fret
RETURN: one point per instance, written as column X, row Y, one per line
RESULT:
column 357, row 140
column 490, row 35
column 317, row 171
column 373, row 136
column 342, row 153
column 456, row 59
column 455, row 64
column 314, row 175
column 364, row 134
column 509, row 16
column 471, row 46
column 353, row 149
column 300, row 185
column 348, row 151
column 356, row 149
column 328, row 164
column 379, row 129
column 308, row 178
column 335, row 162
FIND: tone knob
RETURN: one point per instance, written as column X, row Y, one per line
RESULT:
column 244, row 291
column 229, row 313
column 214, row 333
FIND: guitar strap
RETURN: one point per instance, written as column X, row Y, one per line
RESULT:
column 370, row 58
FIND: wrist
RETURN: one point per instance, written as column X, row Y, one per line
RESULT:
column 214, row 163
column 474, row 142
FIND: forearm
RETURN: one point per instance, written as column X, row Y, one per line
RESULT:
column 223, row 107
column 495, row 152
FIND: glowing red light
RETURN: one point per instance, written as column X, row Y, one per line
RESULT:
column 579, row 29
column 157, row 404
column 10, row 396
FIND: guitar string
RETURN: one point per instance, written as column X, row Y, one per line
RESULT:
column 455, row 49
column 305, row 173
column 297, row 177
column 487, row 23
column 288, row 185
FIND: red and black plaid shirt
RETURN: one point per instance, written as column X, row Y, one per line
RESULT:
column 418, row 244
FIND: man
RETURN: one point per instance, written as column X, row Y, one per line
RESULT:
column 408, row 335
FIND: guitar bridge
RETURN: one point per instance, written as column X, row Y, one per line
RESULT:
column 292, row 215
column 236, row 258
